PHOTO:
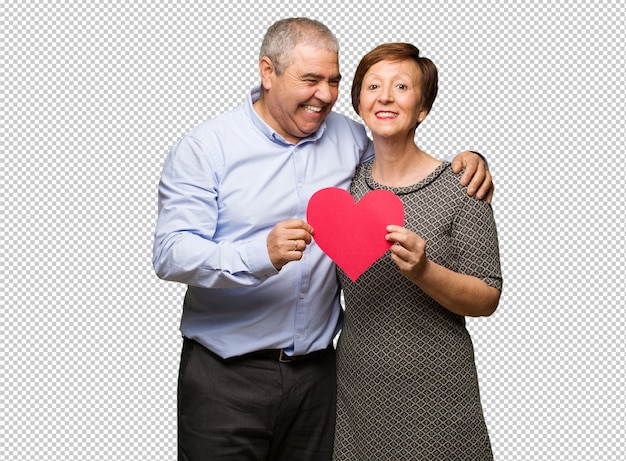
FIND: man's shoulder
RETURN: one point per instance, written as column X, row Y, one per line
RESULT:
column 222, row 129
column 343, row 125
column 225, row 121
column 336, row 117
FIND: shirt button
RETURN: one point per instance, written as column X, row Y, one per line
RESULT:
column 301, row 295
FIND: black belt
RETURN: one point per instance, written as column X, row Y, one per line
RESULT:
column 280, row 356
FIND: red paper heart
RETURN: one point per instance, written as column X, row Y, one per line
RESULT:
column 351, row 234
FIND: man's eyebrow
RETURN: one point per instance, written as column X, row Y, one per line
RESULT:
column 335, row 78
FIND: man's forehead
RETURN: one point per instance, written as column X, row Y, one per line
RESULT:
column 308, row 51
column 315, row 63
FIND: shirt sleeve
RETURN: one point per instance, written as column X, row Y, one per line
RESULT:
column 184, row 246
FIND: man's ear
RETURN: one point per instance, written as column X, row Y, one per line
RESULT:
column 267, row 71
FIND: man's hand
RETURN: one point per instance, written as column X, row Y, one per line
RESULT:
column 476, row 175
column 287, row 240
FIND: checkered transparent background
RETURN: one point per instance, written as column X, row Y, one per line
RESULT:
column 92, row 95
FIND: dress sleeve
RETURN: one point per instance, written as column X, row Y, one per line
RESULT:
column 476, row 240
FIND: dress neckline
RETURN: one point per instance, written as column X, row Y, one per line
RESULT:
column 374, row 185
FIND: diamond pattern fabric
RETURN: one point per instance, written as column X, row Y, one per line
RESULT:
column 407, row 382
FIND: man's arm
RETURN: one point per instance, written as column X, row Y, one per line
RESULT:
column 185, row 249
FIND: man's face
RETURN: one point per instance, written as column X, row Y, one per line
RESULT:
column 298, row 101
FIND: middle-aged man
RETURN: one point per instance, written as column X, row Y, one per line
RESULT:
column 257, row 371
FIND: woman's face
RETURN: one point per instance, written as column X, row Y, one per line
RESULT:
column 391, row 98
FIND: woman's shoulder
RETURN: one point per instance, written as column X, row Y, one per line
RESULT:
column 363, row 169
column 449, row 183
column 450, row 178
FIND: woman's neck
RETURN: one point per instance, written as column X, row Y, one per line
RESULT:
column 400, row 165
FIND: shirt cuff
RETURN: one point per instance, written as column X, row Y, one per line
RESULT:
column 258, row 260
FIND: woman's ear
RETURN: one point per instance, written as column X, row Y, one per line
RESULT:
column 422, row 115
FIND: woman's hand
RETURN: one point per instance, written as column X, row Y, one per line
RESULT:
column 408, row 252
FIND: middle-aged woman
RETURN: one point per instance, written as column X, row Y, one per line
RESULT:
column 407, row 381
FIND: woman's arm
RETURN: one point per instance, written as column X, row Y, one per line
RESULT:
column 462, row 294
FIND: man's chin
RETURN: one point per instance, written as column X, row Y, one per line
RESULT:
column 311, row 126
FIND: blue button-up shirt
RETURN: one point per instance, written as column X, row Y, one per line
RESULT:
column 223, row 188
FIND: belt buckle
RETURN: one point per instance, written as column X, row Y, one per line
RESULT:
column 283, row 358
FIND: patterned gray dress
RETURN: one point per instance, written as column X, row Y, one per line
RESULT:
column 407, row 382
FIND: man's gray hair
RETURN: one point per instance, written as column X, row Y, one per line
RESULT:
column 284, row 35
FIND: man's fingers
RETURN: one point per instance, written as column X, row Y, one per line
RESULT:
column 294, row 224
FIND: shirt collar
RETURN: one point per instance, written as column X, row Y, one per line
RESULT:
column 268, row 131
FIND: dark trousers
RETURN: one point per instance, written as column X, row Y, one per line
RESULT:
column 255, row 408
